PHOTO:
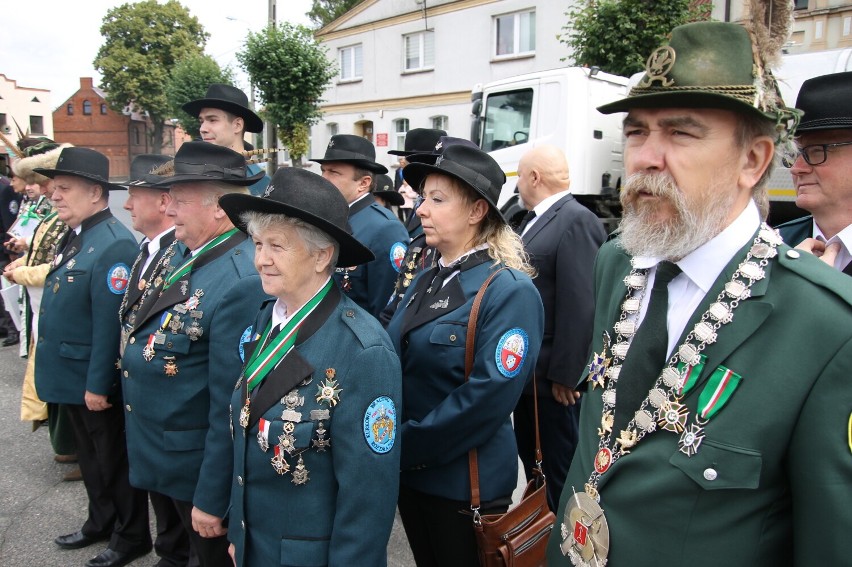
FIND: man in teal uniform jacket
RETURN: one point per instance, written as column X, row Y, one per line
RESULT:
column 182, row 355
column 77, row 351
column 716, row 428
column 350, row 163
column 821, row 170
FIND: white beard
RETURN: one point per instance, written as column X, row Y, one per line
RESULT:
column 695, row 221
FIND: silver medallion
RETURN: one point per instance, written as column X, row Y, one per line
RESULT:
column 751, row 270
column 671, row 377
column 609, row 397
column 704, row 332
column 585, row 532
column 262, row 441
column 657, row 397
column 737, row 290
column 721, row 312
column 690, row 440
column 626, row 328
column 688, row 354
column 635, row 281
column 613, row 371
column 645, row 420
column 279, row 464
column 320, row 414
column 300, row 473
column 630, row 305
column 291, row 415
column 620, row 349
column 771, row 236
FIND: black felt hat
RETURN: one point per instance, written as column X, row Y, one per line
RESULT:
column 419, row 140
column 227, row 98
column 202, row 161
column 383, row 187
column 469, row 165
column 355, row 150
column 298, row 193
column 141, row 168
column 826, row 102
column 443, row 143
column 82, row 162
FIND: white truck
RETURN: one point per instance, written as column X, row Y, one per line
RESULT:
column 558, row 107
column 553, row 107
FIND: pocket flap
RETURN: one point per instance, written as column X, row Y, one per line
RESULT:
column 75, row 351
column 719, row 466
column 185, row 440
column 449, row 334
column 304, row 552
column 178, row 343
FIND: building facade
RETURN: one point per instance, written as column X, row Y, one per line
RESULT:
column 24, row 110
column 86, row 120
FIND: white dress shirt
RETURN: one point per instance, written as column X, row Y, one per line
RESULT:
column 844, row 238
column 542, row 208
column 153, row 248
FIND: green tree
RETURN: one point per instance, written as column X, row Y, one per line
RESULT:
column 142, row 43
column 323, row 12
column 290, row 71
column 618, row 35
column 188, row 81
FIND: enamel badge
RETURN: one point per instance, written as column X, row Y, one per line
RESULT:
column 245, row 338
column 117, row 278
column 511, row 350
column 380, row 424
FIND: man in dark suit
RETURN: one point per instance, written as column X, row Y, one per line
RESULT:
column 77, row 351
column 182, row 354
column 822, row 170
column 147, row 204
column 715, row 429
column 562, row 238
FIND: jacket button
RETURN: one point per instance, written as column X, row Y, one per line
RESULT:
column 128, row 408
column 351, row 314
column 710, row 474
column 793, row 254
column 240, row 480
column 133, row 340
column 453, row 338
column 126, row 374
column 169, row 344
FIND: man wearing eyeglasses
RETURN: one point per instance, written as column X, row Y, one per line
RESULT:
column 822, row 171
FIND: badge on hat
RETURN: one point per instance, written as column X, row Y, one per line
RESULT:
column 511, row 350
column 397, row 255
column 380, row 425
column 117, row 278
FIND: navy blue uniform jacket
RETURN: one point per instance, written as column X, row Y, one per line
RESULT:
column 444, row 417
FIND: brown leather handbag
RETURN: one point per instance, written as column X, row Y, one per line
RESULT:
column 519, row 537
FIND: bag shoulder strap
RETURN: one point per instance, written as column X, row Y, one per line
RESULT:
column 468, row 368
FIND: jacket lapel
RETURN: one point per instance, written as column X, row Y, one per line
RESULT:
column 448, row 299
column 548, row 216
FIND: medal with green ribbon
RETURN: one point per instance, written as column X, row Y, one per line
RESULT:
column 186, row 267
column 718, row 391
column 265, row 359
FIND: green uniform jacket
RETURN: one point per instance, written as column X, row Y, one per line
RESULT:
column 772, row 481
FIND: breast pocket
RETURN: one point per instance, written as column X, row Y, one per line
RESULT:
column 449, row 334
column 71, row 276
column 719, row 466
column 175, row 344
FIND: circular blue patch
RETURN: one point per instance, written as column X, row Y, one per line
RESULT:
column 117, row 278
column 380, row 424
column 245, row 338
column 397, row 255
column 511, row 352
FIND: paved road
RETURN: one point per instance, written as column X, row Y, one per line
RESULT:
column 36, row 506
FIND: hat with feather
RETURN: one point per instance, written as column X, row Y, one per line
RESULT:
column 44, row 156
column 719, row 65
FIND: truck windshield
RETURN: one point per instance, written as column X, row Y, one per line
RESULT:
column 507, row 119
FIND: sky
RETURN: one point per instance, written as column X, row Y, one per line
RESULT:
column 50, row 44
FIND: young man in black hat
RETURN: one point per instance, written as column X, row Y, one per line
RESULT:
column 350, row 164
column 147, row 204
column 715, row 427
column 822, row 170
column 181, row 356
column 225, row 118
column 77, row 350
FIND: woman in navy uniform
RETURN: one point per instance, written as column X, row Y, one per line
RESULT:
column 445, row 416
column 314, row 413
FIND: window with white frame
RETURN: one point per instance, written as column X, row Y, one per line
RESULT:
column 400, row 126
column 418, row 51
column 440, row 123
column 351, row 62
column 514, row 34
column 333, row 129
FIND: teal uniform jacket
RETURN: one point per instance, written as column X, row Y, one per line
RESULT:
column 258, row 187
column 177, row 425
column 444, row 417
column 371, row 285
column 78, row 335
column 795, row 231
column 772, row 480
column 343, row 514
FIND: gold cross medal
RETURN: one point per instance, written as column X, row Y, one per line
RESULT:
column 328, row 392
column 244, row 414
column 170, row 368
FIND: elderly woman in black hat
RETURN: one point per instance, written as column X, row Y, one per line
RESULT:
column 314, row 413
column 446, row 414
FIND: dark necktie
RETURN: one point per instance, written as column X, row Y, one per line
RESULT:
column 848, row 269
column 438, row 281
column 525, row 221
column 647, row 354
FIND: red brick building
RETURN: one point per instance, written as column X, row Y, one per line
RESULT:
column 86, row 120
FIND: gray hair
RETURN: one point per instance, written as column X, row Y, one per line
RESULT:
column 314, row 238
column 219, row 189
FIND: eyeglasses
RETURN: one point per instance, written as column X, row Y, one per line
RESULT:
column 814, row 155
